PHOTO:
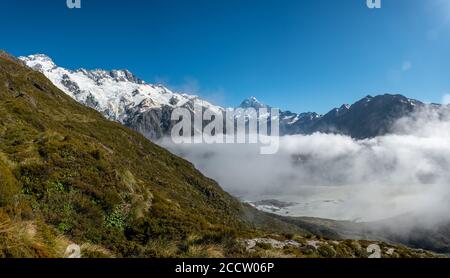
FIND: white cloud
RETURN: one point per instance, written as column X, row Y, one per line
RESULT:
column 334, row 176
column 446, row 99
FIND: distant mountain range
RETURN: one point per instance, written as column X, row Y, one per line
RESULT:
column 121, row 96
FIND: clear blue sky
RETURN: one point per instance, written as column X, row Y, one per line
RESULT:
column 300, row 55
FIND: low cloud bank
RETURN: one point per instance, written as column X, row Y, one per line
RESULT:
column 334, row 176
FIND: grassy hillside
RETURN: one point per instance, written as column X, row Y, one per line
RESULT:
column 67, row 175
column 95, row 180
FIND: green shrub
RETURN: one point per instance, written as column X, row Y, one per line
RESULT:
column 326, row 251
column 116, row 219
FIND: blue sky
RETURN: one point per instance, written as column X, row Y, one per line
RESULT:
column 299, row 55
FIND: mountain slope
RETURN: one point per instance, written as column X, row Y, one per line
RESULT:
column 93, row 179
column 146, row 108
column 119, row 95
column 366, row 118
column 402, row 230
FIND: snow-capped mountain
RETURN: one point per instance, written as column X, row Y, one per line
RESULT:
column 289, row 121
column 253, row 102
column 368, row 117
column 121, row 96
column 118, row 95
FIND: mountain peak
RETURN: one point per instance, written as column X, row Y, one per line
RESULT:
column 345, row 107
column 39, row 62
column 126, row 75
column 39, row 57
column 252, row 102
column 122, row 75
column 118, row 94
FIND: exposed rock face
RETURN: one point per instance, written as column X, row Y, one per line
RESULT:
column 152, row 123
column 368, row 117
column 119, row 95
